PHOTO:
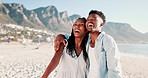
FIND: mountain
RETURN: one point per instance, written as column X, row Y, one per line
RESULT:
column 4, row 15
column 124, row 33
column 146, row 33
column 21, row 15
column 40, row 18
column 53, row 19
column 74, row 17
column 59, row 22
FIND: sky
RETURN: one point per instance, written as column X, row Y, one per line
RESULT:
column 133, row 12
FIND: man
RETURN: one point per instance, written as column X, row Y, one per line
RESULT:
column 102, row 49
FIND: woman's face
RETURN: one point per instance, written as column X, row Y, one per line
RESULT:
column 79, row 28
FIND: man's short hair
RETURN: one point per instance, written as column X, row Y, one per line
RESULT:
column 98, row 13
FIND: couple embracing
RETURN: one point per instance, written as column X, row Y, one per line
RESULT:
column 87, row 53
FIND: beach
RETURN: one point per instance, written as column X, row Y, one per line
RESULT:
column 134, row 67
column 31, row 60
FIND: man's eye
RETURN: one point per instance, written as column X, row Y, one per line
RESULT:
column 91, row 20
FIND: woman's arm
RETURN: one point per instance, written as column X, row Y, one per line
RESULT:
column 54, row 62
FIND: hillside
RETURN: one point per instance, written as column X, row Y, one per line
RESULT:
column 60, row 22
column 124, row 33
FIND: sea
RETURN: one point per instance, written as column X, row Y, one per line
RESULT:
column 135, row 50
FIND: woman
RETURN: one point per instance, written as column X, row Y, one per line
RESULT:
column 72, row 58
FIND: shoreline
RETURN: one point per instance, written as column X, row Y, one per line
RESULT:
column 140, row 56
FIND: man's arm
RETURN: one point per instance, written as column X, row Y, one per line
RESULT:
column 54, row 62
column 113, row 59
column 59, row 39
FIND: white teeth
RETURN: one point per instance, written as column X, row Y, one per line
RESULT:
column 90, row 24
column 77, row 30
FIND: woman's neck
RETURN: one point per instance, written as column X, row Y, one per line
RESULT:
column 78, row 42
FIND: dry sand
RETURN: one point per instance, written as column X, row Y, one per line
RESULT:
column 133, row 67
column 21, row 61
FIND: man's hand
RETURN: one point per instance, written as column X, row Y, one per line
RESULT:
column 59, row 39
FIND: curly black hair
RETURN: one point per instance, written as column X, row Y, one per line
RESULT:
column 98, row 13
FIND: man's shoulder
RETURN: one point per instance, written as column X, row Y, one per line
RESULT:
column 106, row 36
column 108, row 41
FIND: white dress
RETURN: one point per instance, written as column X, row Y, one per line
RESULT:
column 70, row 67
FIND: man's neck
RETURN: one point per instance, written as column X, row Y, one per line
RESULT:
column 94, row 35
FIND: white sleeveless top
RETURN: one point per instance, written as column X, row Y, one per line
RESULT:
column 93, row 72
column 70, row 67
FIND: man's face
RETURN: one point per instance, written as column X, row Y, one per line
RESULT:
column 94, row 22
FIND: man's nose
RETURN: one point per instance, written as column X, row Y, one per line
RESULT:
column 89, row 20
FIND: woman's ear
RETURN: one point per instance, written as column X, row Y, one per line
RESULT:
column 101, row 24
